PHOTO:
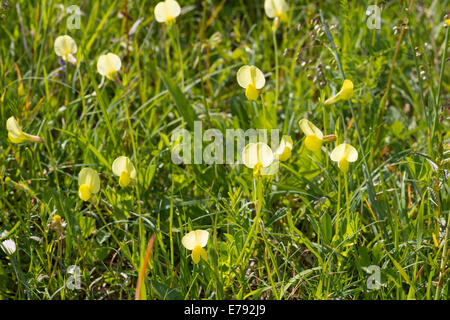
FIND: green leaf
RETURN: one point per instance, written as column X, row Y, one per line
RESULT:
column 164, row 292
column 87, row 226
column 182, row 104
column 326, row 228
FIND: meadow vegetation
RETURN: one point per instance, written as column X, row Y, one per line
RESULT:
column 358, row 207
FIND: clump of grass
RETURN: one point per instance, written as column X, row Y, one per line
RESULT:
column 378, row 230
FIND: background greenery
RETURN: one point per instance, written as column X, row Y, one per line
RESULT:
column 394, row 214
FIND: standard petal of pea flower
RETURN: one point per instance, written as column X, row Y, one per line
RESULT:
column 65, row 47
column 343, row 154
column 257, row 156
column 166, row 11
column 196, row 240
column 276, row 9
column 124, row 169
column 8, row 246
column 108, row 65
column 16, row 135
column 89, row 183
column 251, row 79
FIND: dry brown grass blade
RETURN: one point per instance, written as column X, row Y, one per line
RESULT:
column 144, row 267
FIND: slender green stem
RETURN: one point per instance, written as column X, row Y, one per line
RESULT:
column 444, row 258
column 180, row 55
column 444, row 58
column 255, row 222
column 263, row 105
column 347, row 200
column 338, row 209
column 277, row 76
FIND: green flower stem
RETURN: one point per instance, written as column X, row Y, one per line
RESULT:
column 347, row 200
column 277, row 76
column 256, row 187
column 338, row 210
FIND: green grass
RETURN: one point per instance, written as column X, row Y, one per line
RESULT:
column 320, row 230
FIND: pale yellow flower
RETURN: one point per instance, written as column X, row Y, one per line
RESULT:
column 314, row 137
column 89, row 182
column 16, row 135
column 257, row 156
column 251, row 79
column 276, row 9
column 65, row 47
column 108, row 65
column 166, row 11
column 196, row 240
column 8, row 246
column 123, row 168
column 284, row 149
column 345, row 93
column 343, row 154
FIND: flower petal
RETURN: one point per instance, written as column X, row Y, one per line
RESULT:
column 313, row 143
column 275, row 8
column 351, row 153
column 258, row 77
column 347, row 90
column 167, row 10
column 65, row 45
column 196, row 253
column 244, row 77
column 201, row 237
column 251, row 92
column 89, row 177
column 338, row 153
column 84, row 192
column 108, row 64
column 343, row 165
column 310, row 129
column 119, row 165
column 13, row 127
column 8, row 246
column 254, row 153
column 284, row 150
column 173, row 8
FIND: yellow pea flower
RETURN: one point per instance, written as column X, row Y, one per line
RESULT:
column 251, row 79
column 276, row 9
column 16, row 135
column 257, row 156
column 447, row 21
column 343, row 154
column 65, row 47
column 8, row 246
column 196, row 240
column 108, row 65
column 314, row 137
column 284, row 149
column 166, row 11
column 89, row 182
column 123, row 168
column 345, row 93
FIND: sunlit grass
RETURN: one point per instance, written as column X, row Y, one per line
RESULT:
column 102, row 182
